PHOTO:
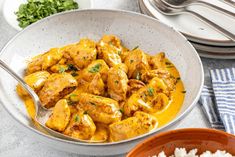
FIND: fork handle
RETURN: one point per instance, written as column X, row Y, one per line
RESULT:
column 21, row 81
column 213, row 25
column 220, row 9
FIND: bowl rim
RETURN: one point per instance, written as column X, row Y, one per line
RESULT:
column 183, row 130
column 171, row 123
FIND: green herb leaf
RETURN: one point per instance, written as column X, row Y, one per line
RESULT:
column 35, row 10
column 70, row 102
column 77, row 118
column 62, row 69
column 92, row 103
column 85, row 112
column 74, row 74
column 72, row 95
column 138, row 76
column 135, row 48
column 116, row 81
column 170, row 66
column 168, row 63
column 95, row 69
column 72, row 67
column 150, row 91
column 119, row 52
column 121, row 110
column 131, row 61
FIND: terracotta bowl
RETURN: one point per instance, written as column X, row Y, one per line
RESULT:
column 202, row 139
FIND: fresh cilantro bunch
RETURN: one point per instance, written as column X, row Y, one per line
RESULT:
column 35, row 10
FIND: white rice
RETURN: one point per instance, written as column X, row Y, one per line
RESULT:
column 181, row 152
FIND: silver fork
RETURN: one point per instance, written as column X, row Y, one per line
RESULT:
column 185, row 3
column 168, row 10
column 42, row 113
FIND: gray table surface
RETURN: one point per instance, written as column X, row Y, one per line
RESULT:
column 14, row 142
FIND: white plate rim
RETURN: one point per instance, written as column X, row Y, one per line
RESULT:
column 214, row 42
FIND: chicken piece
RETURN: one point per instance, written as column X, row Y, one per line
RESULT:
column 117, row 84
column 122, row 66
column 55, row 88
column 158, row 61
column 134, row 126
column 136, row 62
column 109, row 55
column 143, row 99
column 169, row 80
column 35, row 81
column 109, row 49
column 110, row 40
column 101, row 133
column 160, row 101
column 81, row 126
column 124, row 53
column 82, row 53
column 97, row 66
column 101, row 109
column 133, row 86
column 96, row 86
column 60, row 116
column 44, row 61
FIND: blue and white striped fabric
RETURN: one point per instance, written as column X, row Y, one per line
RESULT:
column 218, row 101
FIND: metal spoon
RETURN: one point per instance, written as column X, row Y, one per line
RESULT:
column 185, row 3
column 167, row 10
column 42, row 113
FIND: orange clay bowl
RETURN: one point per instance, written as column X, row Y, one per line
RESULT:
column 201, row 139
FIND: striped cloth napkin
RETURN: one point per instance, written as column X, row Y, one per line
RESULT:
column 218, row 100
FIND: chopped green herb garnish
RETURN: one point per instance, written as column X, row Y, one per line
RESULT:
column 62, row 69
column 70, row 102
column 85, row 112
column 121, row 110
column 71, row 95
column 168, row 63
column 138, row 76
column 84, row 58
column 178, row 78
column 111, row 43
column 116, row 81
column 34, row 10
column 131, row 61
column 170, row 66
column 74, row 74
column 135, row 48
column 119, row 52
column 95, row 69
column 183, row 91
column 150, row 91
column 72, row 67
column 92, row 103
column 77, row 118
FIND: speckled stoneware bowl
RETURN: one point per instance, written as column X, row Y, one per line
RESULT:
column 201, row 139
column 134, row 29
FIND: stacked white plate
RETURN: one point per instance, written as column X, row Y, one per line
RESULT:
column 205, row 39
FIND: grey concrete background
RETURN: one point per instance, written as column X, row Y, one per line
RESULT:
column 14, row 142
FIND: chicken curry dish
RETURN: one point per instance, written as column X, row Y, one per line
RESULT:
column 103, row 91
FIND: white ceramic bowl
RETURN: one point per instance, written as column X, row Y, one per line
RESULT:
column 134, row 29
column 11, row 6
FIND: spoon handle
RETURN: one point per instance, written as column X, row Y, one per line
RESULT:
column 22, row 83
column 220, row 9
column 213, row 25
